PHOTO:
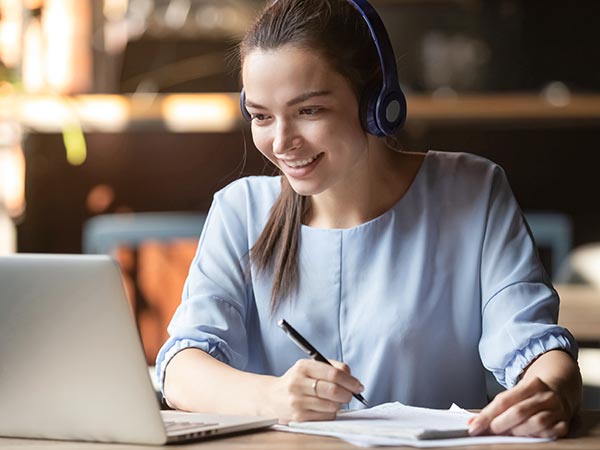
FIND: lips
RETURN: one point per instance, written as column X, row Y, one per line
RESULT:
column 300, row 163
column 300, row 168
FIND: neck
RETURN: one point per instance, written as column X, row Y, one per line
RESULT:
column 376, row 185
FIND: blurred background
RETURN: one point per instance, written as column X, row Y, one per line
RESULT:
column 119, row 120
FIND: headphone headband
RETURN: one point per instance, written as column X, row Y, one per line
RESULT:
column 381, row 40
column 383, row 108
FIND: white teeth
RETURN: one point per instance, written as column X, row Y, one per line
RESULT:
column 303, row 163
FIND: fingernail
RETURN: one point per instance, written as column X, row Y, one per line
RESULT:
column 361, row 388
column 471, row 420
column 476, row 427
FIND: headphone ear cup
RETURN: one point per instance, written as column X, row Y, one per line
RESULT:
column 368, row 109
column 245, row 114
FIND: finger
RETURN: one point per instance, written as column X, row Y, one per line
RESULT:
column 340, row 365
column 538, row 425
column 332, row 392
column 318, row 404
column 558, row 430
column 522, row 412
column 308, row 415
column 322, row 371
column 503, row 401
column 561, row 429
column 309, row 402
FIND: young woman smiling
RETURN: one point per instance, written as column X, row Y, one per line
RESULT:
column 415, row 273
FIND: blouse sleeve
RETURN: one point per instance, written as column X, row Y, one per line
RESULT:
column 519, row 304
column 212, row 312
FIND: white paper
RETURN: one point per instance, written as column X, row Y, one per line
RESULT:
column 398, row 424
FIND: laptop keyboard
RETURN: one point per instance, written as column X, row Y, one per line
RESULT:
column 171, row 425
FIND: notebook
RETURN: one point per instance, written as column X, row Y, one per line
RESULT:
column 71, row 361
column 395, row 424
column 394, row 420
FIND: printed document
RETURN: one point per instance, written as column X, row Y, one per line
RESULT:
column 398, row 424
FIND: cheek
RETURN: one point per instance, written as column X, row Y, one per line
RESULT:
column 346, row 136
column 345, row 125
column 262, row 142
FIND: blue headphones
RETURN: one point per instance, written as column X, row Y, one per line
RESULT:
column 382, row 106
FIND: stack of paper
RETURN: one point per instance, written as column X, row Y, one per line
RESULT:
column 398, row 424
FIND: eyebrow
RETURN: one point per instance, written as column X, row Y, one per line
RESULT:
column 296, row 100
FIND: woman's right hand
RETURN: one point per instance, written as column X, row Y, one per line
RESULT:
column 312, row 390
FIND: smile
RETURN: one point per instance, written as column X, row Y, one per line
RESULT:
column 302, row 163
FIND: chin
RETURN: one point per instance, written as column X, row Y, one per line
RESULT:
column 304, row 188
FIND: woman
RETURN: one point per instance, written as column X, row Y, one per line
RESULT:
column 413, row 272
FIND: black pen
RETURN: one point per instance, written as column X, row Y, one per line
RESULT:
column 308, row 348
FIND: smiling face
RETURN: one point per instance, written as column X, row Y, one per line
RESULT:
column 304, row 118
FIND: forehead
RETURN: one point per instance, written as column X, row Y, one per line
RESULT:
column 287, row 71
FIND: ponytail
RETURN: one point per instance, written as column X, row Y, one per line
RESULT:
column 277, row 247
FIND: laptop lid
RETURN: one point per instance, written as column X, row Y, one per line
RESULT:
column 71, row 361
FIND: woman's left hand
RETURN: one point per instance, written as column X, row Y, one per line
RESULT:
column 531, row 408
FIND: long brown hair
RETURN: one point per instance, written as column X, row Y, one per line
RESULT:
column 335, row 30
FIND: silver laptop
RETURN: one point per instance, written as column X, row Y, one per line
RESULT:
column 71, row 362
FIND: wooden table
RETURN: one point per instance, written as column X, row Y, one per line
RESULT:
column 585, row 435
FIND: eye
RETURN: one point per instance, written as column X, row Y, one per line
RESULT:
column 258, row 117
column 311, row 111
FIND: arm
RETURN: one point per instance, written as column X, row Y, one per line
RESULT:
column 541, row 404
column 203, row 365
column 195, row 381
column 521, row 341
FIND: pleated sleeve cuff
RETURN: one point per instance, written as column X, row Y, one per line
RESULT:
column 555, row 340
column 169, row 351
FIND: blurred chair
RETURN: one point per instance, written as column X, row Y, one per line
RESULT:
column 154, row 251
column 102, row 234
column 582, row 266
column 553, row 233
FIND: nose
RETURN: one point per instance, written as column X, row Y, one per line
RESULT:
column 286, row 138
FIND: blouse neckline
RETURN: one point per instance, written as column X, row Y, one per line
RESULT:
column 407, row 194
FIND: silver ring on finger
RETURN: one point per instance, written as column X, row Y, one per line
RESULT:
column 314, row 386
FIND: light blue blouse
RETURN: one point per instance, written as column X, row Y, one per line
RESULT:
column 418, row 301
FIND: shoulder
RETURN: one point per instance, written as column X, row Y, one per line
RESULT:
column 463, row 172
column 450, row 163
column 255, row 189
column 462, row 185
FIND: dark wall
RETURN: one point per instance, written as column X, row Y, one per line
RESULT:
column 550, row 169
column 486, row 45
column 147, row 172
column 503, row 45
